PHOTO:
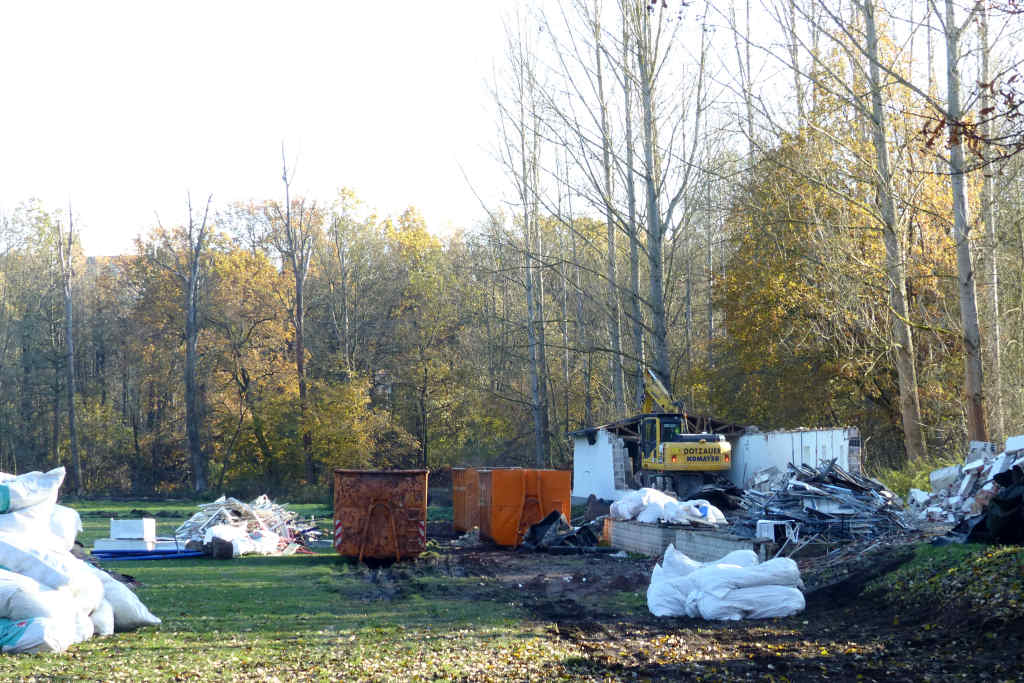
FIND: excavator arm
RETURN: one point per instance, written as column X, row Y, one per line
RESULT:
column 656, row 396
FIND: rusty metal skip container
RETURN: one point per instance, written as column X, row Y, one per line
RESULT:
column 513, row 500
column 380, row 514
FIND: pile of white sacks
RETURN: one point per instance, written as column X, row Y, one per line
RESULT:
column 653, row 506
column 735, row 587
column 50, row 599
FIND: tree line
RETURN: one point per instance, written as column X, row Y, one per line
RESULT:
column 795, row 213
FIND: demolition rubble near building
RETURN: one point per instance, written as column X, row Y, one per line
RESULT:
column 728, row 552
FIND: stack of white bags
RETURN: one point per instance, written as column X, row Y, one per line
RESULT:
column 653, row 506
column 732, row 588
column 49, row 599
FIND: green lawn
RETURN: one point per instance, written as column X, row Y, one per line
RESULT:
column 299, row 618
column 302, row 618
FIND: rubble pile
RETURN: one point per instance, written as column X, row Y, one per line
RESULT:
column 230, row 528
column 964, row 491
column 829, row 505
column 555, row 534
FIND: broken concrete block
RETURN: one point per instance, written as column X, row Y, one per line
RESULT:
column 999, row 465
column 934, row 513
column 1015, row 443
column 970, row 507
column 979, row 450
column 984, row 496
column 918, row 497
column 944, row 478
column 954, row 501
column 974, row 465
column 967, row 484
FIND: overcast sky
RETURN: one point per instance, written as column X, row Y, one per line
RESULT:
column 124, row 107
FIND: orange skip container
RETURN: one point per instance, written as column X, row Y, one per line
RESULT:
column 465, row 498
column 513, row 500
column 380, row 514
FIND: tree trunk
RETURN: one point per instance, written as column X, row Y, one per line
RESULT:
column 64, row 251
column 637, row 319
column 193, row 415
column 195, row 447
column 989, row 219
column 300, row 370
column 614, row 315
column 655, row 226
column 973, row 376
column 910, row 407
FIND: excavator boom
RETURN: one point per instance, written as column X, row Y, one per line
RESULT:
column 656, row 396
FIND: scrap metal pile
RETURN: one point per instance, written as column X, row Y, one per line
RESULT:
column 829, row 505
column 257, row 527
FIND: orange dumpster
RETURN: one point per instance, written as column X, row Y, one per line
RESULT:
column 380, row 514
column 513, row 500
column 465, row 498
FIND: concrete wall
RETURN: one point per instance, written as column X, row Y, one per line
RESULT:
column 760, row 450
column 703, row 545
column 706, row 545
column 637, row 537
column 598, row 468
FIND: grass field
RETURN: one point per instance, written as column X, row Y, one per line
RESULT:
column 295, row 618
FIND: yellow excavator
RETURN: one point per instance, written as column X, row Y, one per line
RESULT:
column 666, row 455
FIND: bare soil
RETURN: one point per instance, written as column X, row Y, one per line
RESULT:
column 598, row 602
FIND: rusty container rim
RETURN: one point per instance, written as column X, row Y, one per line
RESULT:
column 340, row 471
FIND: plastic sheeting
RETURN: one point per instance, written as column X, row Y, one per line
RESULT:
column 653, row 506
column 734, row 587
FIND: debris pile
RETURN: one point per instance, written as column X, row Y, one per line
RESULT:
column 554, row 534
column 470, row 539
column 50, row 599
column 964, row 491
column 805, row 505
column 227, row 527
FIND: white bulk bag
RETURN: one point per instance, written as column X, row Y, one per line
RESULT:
column 22, row 597
column 129, row 612
column 65, row 524
column 734, row 587
column 103, row 619
column 36, row 635
column 23, row 490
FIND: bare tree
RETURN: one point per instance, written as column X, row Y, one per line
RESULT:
column 188, row 270
column 65, row 245
column 670, row 136
column 294, row 236
column 910, row 406
column 520, row 121
column 953, row 113
column 985, row 102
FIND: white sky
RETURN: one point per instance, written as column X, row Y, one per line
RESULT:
column 124, row 107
